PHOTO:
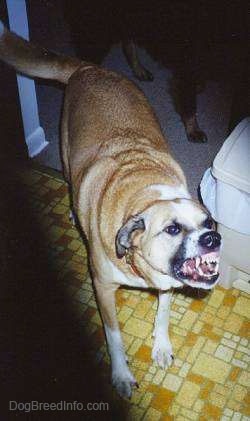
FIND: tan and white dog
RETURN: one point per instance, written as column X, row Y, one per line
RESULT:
column 129, row 195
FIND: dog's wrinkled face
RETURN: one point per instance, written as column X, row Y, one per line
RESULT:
column 178, row 239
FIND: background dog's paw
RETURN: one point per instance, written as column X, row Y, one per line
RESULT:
column 162, row 352
column 193, row 131
column 197, row 136
column 124, row 383
column 143, row 74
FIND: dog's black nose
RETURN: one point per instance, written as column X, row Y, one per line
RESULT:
column 210, row 240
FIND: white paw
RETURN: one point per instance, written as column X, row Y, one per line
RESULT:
column 162, row 352
column 124, row 382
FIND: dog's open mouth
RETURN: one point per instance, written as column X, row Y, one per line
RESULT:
column 199, row 271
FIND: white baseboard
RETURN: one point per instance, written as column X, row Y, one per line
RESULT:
column 33, row 132
column 36, row 142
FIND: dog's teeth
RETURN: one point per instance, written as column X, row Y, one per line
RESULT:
column 200, row 271
column 207, row 259
column 197, row 262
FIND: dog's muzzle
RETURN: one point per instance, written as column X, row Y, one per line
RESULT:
column 200, row 271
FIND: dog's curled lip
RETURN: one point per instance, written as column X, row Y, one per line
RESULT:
column 201, row 284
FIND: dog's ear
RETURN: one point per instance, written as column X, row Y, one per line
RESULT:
column 123, row 237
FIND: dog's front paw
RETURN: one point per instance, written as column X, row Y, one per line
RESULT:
column 162, row 352
column 124, row 382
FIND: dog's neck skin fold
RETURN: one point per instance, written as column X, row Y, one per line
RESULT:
column 171, row 192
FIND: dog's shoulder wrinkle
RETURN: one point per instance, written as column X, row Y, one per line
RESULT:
column 92, row 186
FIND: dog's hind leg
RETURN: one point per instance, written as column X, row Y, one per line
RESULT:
column 130, row 51
column 162, row 352
column 122, row 378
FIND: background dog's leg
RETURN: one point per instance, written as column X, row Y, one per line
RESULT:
column 129, row 48
column 186, row 79
column 122, row 378
column 187, row 94
column 162, row 352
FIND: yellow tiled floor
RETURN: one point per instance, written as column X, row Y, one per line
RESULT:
column 209, row 379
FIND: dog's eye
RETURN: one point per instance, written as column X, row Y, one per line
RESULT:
column 208, row 223
column 173, row 229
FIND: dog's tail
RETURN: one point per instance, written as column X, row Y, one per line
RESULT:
column 34, row 61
